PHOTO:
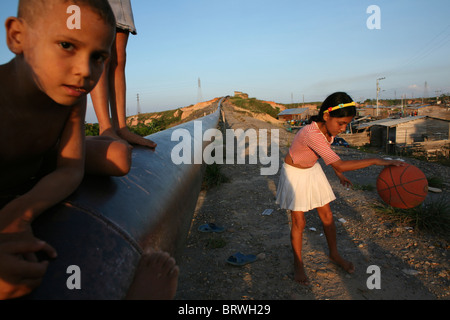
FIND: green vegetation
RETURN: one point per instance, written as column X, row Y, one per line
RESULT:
column 363, row 187
column 162, row 121
column 436, row 182
column 256, row 106
column 144, row 130
column 432, row 216
column 213, row 177
column 91, row 129
column 159, row 121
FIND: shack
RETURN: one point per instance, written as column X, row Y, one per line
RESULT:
column 294, row 114
column 388, row 133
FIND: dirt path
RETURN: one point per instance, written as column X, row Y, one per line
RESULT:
column 413, row 265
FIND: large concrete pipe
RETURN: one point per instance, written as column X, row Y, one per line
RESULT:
column 101, row 230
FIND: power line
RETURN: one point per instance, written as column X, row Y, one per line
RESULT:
column 430, row 47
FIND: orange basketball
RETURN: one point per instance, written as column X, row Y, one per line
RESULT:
column 402, row 187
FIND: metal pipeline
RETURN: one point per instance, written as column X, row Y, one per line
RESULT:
column 103, row 228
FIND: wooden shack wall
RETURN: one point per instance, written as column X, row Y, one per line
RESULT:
column 407, row 133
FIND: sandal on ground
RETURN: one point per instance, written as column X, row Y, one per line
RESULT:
column 210, row 227
column 239, row 259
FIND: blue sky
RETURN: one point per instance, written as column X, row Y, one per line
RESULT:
column 280, row 50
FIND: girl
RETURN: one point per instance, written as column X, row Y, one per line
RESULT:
column 111, row 89
column 303, row 185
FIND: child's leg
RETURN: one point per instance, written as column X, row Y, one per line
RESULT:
column 118, row 92
column 107, row 156
column 100, row 101
column 329, row 228
column 298, row 225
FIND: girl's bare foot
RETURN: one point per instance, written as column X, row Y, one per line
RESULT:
column 344, row 264
column 300, row 274
column 133, row 138
column 156, row 278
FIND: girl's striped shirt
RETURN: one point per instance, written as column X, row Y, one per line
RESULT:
column 309, row 145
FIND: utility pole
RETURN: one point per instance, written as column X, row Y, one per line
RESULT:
column 403, row 107
column 378, row 91
column 199, row 93
column 138, row 105
column 437, row 95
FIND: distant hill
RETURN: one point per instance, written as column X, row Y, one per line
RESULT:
column 257, row 106
column 174, row 117
column 166, row 119
column 147, row 123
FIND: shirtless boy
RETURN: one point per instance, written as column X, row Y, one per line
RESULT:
column 43, row 150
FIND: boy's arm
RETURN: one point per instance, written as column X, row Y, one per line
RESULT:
column 56, row 186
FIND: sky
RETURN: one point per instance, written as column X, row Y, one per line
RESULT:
column 287, row 51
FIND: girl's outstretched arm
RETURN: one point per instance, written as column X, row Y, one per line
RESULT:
column 350, row 165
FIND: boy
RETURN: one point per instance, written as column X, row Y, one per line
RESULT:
column 42, row 109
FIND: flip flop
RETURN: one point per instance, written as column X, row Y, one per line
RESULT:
column 210, row 227
column 239, row 259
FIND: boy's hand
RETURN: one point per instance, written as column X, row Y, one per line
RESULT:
column 15, row 226
column 19, row 276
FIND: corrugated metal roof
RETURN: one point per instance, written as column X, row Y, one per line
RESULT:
column 293, row 111
column 389, row 122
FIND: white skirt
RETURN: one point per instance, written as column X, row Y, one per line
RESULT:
column 303, row 189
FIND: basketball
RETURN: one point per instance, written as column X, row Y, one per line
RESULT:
column 402, row 187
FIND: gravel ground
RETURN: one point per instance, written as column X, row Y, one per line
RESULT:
column 413, row 264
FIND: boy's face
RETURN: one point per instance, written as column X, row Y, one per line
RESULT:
column 66, row 64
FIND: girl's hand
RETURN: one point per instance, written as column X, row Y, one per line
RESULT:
column 343, row 179
column 388, row 162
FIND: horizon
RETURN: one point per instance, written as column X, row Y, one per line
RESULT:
column 284, row 51
column 300, row 105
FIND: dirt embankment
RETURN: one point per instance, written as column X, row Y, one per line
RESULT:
column 412, row 264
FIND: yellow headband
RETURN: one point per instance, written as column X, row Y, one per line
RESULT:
column 351, row 104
